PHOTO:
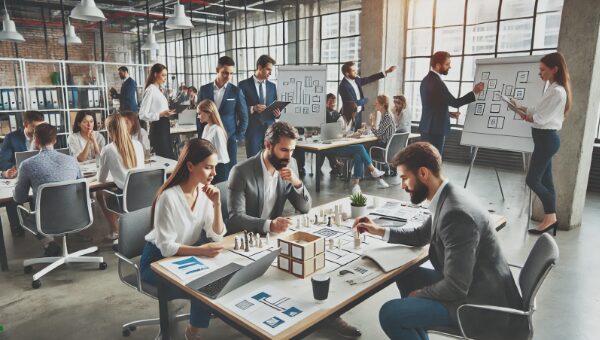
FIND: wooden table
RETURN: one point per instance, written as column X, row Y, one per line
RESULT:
column 342, row 297
column 6, row 194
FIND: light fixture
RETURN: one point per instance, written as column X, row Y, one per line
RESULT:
column 150, row 43
column 9, row 30
column 88, row 11
column 71, row 37
column 179, row 20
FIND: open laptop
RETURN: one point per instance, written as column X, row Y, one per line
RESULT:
column 21, row 156
column 187, row 117
column 232, row 276
column 331, row 131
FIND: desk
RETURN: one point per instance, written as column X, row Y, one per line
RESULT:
column 342, row 296
column 319, row 149
column 183, row 129
column 7, row 187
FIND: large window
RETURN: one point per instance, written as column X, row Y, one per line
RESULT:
column 470, row 30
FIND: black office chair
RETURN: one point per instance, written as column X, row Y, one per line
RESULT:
column 133, row 227
column 139, row 190
column 541, row 260
column 62, row 208
column 223, row 188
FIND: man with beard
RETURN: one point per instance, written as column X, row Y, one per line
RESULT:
column 128, row 96
column 435, row 99
column 469, row 266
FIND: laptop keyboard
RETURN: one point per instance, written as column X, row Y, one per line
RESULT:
column 214, row 288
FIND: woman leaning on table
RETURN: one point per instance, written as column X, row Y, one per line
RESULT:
column 155, row 109
column 547, row 117
column 186, row 220
column 85, row 143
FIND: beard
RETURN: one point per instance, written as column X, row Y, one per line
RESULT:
column 278, row 163
column 419, row 193
column 444, row 72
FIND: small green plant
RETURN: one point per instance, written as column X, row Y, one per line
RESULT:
column 358, row 200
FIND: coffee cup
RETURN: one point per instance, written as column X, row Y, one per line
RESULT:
column 320, row 285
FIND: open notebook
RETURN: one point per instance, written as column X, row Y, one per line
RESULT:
column 392, row 257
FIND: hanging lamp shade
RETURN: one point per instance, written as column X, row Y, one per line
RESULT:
column 88, row 11
column 150, row 42
column 71, row 37
column 9, row 30
column 179, row 20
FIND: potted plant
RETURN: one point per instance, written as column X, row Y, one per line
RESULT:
column 358, row 205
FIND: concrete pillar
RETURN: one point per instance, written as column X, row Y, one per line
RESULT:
column 579, row 40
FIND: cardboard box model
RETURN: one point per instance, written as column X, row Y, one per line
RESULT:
column 302, row 253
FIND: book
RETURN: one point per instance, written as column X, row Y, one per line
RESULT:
column 392, row 257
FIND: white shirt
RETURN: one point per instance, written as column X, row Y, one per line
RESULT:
column 216, row 135
column 432, row 208
column 153, row 103
column 218, row 94
column 549, row 112
column 175, row 224
column 346, row 127
column 356, row 91
column 112, row 162
column 77, row 143
column 270, row 190
column 258, row 84
column 403, row 121
column 142, row 137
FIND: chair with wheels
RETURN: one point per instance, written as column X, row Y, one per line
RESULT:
column 386, row 155
column 139, row 190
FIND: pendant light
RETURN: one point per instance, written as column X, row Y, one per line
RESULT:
column 71, row 37
column 150, row 42
column 88, row 11
column 9, row 30
column 179, row 20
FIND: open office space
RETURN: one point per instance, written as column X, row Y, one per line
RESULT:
column 321, row 169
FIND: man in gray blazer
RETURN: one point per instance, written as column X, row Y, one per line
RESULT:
column 463, row 249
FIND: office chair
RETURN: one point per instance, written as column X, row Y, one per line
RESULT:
column 139, row 190
column 385, row 155
column 133, row 227
column 541, row 259
column 223, row 188
column 62, row 208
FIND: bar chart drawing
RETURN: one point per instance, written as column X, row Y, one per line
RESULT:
column 304, row 87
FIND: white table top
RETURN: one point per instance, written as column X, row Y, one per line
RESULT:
column 178, row 129
column 319, row 145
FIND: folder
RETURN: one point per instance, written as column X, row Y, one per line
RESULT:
column 52, row 119
column 33, row 102
column 5, row 100
column 48, row 98
column 12, row 100
column 54, row 96
column 90, row 98
column 59, row 125
column 71, row 98
column 40, row 100
column 96, row 98
column 12, row 119
column 20, row 100
column 46, row 118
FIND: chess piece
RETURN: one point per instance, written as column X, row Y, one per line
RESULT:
column 237, row 246
column 339, row 243
column 268, row 239
column 330, row 244
column 316, row 219
column 260, row 245
column 357, row 240
column 338, row 219
column 329, row 221
column 299, row 222
column 251, row 239
column 246, row 247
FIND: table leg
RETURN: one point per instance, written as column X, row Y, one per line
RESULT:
column 319, row 159
column 163, row 309
column 3, row 259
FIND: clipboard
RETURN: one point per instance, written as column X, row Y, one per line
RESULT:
column 507, row 100
column 267, row 114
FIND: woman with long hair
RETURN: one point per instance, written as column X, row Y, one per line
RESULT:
column 214, row 132
column 186, row 221
column 116, row 159
column 85, row 143
column 547, row 117
column 386, row 127
column 136, row 131
column 155, row 109
column 401, row 114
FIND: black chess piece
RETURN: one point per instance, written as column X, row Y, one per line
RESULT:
column 329, row 221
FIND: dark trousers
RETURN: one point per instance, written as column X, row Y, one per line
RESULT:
column 160, row 138
column 410, row 317
column 539, row 178
column 436, row 140
column 13, row 216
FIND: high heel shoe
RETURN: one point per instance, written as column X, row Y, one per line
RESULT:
column 553, row 226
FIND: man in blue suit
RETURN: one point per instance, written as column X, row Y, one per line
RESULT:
column 128, row 96
column 259, row 93
column 435, row 99
column 350, row 88
column 232, row 107
column 17, row 141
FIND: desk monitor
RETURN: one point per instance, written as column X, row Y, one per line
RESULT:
column 187, row 117
column 330, row 131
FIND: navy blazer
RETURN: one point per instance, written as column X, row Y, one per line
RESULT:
column 128, row 96
column 435, row 99
column 233, row 110
column 347, row 93
column 13, row 142
column 247, row 86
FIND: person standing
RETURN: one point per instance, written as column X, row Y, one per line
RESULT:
column 259, row 93
column 435, row 99
column 155, row 109
column 547, row 117
column 401, row 114
column 350, row 88
column 232, row 108
column 214, row 132
column 128, row 99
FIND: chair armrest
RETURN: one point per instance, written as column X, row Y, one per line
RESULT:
column 112, row 193
column 134, row 265
column 22, row 210
column 487, row 307
column 376, row 147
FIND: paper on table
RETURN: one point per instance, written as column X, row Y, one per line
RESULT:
column 392, row 257
column 189, row 268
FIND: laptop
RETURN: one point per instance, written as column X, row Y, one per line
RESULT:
column 330, row 131
column 232, row 276
column 187, row 117
column 21, row 156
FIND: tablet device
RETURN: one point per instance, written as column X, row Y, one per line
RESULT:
column 507, row 100
column 276, row 105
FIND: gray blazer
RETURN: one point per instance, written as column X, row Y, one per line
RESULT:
column 246, row 190
column 464, row 250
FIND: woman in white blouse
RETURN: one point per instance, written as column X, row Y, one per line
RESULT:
column 187, row 221
column 155, row 109
column 84, row 143
column 214, row 132
column 136, row 131
column 116, row 159
column 547, row 117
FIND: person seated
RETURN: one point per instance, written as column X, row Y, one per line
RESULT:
column 116, row 159
column 84, row 143
column 214, row 132
column 136, row 131
column 193, row 96
column 386, row 127
column 331, row 114
column 356, row 151
column 401, row 114
column 17, row 141
column 41, row 169
column 469, row 266
column 186, row 221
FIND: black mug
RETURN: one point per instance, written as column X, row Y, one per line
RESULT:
column 320, row 285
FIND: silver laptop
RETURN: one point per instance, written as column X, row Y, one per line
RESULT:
column 232, row 276
column 187, row 117
column 330, row 131
column 21, row 156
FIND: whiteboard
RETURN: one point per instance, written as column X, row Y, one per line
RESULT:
column 305, row 87
column 489, row 122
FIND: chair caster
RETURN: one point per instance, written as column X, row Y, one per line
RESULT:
column 27, row 269
column 102, row 265
column 36, row 284
column 126, row 332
